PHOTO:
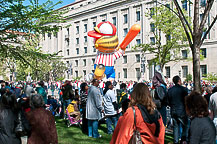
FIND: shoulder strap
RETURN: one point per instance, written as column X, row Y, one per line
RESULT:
column 134, row 113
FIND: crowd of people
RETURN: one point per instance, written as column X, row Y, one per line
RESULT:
column 125, row 107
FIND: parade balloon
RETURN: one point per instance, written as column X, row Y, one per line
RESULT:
column 107, row 44
column 99, row 72
column 134, row 30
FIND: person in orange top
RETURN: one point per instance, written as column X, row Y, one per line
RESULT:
column 148, row 120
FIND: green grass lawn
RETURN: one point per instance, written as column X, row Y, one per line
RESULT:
column 73, row 135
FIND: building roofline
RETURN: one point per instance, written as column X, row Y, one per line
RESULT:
column 70, row 4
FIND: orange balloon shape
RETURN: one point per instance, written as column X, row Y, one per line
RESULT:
column 134, row 30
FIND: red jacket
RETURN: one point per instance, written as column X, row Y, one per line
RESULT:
column 125, row 126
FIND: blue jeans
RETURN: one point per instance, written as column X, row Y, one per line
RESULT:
column 65, row 104
column 109, row 121
column 93, row 128
column 163, row 113
column 52, row 93
column 176, row 129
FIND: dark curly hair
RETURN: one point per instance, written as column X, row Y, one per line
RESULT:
column 196, row 105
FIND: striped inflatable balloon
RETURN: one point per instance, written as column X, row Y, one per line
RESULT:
column 107, row 44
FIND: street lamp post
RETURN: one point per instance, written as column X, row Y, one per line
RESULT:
column 143, row 61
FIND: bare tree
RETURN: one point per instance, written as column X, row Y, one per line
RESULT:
column 195, row 35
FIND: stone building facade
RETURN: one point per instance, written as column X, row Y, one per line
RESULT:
column 78, row 49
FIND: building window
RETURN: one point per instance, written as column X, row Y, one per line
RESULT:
column 201, row 17
column 124, row 59
column 125, row 31
column 76, row 73
column 68, row 31
column 152, row 39
column 119, row 75
column 77, row 40
column 71, row 71
column 203, row 69
column 167, row 71
column 77, row 50
column 84, row 72
column 85, row 27
column 138, row 16
column 77, row 29
column 151, row 12
column 203, row 52
column 138, row 41
column 125, row 18
column 168, row 37
column 184, row 71
column 94, row 49
column 68, row 52
column 184, row 54
column 85, row 39
column 152, row 27
column 49, row 35
column 168, row 5
column 84, row 62
column 137, row 57
column 93, row 61
column 138, row 73
column 125, row 72
column 85, row 49
column 114, row 21
column 202, row 3
column 67, row 42
column 184, row 4
column 76, row 63
column 94, row 24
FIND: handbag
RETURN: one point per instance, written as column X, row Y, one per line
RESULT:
column 136, row 137
column 20, row 129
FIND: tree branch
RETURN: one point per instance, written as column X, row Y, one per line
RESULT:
column 183, row 23
column 213, row 22
column 205, row 14
column 182, row 15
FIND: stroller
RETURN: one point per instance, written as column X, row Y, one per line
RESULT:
column 73, row 114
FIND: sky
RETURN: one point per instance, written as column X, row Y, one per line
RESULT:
column 64, row 2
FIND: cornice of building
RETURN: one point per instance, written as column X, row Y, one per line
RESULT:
column 76, row 2
column 209, row 42
column 99, row 7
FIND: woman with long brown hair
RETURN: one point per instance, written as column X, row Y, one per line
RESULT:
column 148, row 120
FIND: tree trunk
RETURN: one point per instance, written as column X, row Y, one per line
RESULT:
column 196, row 68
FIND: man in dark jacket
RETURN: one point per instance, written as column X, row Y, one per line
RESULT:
column 68, row 94
column 176, row 97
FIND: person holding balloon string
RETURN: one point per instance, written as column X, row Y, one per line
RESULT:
column 106, row 41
